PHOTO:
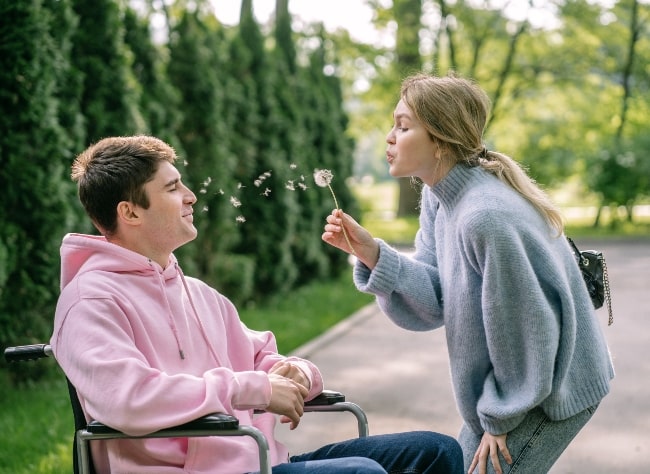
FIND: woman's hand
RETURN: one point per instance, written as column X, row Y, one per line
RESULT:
column 490, row 447
column 365, row 247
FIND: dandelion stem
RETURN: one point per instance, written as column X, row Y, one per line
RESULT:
column 345, row 234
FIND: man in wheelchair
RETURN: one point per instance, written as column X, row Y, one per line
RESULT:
column 147, row 347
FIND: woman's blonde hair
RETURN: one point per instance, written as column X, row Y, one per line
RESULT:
column 454, row 111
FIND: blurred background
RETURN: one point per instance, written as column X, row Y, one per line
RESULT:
column 256, row 95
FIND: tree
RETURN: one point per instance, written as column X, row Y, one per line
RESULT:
column 407, row 46
column 160, row 102
column 110, row 95
column 196, row 68
column 34, row 152
column 623, row 174
column 275, row 270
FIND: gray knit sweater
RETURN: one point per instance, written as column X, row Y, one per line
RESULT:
column 520, row 327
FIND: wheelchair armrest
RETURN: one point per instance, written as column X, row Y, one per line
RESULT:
column 216, row 421
column 326, row 397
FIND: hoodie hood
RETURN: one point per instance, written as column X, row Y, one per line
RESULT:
column 81, row 253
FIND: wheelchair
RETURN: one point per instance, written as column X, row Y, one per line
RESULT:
column 217, row 424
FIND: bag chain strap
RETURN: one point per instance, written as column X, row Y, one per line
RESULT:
column 608, row 296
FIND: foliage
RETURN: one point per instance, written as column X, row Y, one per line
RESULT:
column 110, row 93
column 34, row 204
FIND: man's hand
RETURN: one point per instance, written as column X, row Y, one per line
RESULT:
column 287, row 399
column 290, row 371
column 490, row 447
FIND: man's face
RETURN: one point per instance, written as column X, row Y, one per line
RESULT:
column 168, row 223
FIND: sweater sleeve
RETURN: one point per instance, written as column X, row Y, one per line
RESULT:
column 407, row 288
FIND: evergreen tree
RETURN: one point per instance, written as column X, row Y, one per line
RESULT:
column 197, row 62
column 271, row 217
column 309, row 251
column 332, row 148
column 110, row 94
column 160, row 102
column 34, row 204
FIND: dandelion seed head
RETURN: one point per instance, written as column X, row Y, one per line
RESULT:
column 323, row 178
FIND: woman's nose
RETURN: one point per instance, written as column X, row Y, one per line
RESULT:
column 390, row 138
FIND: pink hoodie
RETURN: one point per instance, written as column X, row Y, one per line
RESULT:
column 148, row 348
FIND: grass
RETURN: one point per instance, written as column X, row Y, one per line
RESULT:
column 308, row 312
column 37, row 429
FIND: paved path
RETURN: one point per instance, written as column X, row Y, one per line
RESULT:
column 401, row 379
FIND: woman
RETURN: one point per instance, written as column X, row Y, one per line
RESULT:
column 528, row 360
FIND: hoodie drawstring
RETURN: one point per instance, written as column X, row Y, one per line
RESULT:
column 170, row 320
column 196, row 316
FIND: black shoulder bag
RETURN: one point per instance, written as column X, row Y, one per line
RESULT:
column 594, row 272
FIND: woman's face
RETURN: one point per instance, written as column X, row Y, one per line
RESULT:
column 410, row 150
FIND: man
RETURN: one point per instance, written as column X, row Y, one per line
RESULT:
column 147, row 347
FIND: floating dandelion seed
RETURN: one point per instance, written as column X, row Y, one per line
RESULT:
column 205, row 209
column 290, row 186
column 240, row 219
column 203, row 190
column 293, row 166
column 323, row 178
column 234, row 201
column 221, row 192
column 266, row 192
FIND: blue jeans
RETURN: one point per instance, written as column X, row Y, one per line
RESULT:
column 534, row 445
column 417, row 452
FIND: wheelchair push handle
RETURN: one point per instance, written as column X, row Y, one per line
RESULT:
column 29, row 352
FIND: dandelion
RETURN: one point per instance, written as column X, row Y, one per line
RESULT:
column 323, row 178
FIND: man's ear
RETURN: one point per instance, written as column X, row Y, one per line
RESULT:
column 127, row 213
